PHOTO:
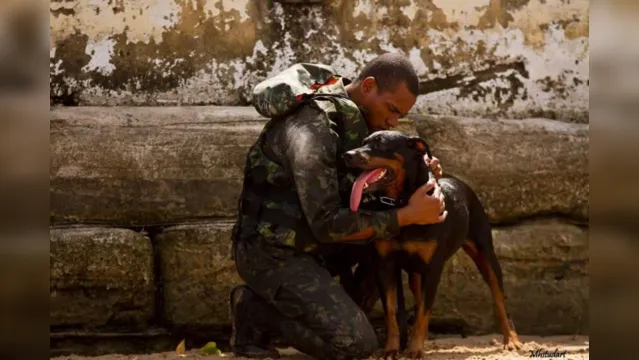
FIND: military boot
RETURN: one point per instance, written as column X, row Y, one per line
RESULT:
column 249, row 338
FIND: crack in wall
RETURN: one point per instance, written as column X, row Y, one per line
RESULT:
column 468, row 80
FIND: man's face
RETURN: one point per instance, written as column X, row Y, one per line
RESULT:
column 385, row 108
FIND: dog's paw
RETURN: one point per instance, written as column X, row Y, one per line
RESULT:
column 392, row 354
column 512, row 343
column 414, row 354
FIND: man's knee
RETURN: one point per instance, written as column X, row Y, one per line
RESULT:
column 358, row 342
column 365, row 345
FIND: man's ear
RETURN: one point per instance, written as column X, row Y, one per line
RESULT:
column 369, row 85
column 420, row 145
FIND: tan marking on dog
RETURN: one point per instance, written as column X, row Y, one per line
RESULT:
column 425, row 249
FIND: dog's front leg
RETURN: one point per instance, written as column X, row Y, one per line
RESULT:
column 430, row 278
column 386, row 275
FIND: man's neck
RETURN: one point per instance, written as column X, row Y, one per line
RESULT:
column 352, row 89
column 353, row 92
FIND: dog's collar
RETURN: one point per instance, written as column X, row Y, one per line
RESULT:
column 383, row 202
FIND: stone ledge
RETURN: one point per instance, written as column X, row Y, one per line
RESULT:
column 545, row 266
column 100, row 278
column 197, row 274
column 149, row 165
column 519, row 168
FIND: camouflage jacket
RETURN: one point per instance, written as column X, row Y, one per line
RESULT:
column 301, row 153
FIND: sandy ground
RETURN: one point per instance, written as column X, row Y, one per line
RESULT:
column 445, row 348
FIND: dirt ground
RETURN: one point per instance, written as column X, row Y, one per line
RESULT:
column 444, row 348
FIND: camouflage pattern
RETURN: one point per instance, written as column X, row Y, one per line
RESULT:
column 300, row 303
column 278, row 95
column 305, row 155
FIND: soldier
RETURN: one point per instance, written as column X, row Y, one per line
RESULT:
column 291, row 208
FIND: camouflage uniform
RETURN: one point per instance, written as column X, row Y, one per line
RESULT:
column 292, row 212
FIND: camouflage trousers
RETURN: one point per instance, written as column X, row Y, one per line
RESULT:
column 300, row 302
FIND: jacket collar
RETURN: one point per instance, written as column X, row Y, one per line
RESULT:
column 352, row 125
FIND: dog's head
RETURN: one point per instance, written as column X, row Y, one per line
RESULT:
column 391, row 160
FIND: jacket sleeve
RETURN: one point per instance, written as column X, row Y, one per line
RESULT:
column 310, row 152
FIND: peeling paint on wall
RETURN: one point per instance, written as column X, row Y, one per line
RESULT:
column 101, row 53
column 479, row 58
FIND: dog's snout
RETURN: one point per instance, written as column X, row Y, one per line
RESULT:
column 355, row 158
column 348, row 156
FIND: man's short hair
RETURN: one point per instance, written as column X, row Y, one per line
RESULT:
column 390, row 70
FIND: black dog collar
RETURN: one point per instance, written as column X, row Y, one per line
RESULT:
column 375, row 202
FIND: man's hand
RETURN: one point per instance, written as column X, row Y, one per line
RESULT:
column 434, row 165
column 424, row 209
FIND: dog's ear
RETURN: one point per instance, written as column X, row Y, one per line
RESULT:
column 419, row 144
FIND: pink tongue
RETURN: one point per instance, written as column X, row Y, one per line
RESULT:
column 358, row 186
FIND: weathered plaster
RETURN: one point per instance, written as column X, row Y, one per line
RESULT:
column 503, row 58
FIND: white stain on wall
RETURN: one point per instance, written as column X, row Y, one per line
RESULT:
column 415, row 57
column 363, row 7
column 284, row 56
column 410, row 10
column 216, row 7
column 462, row 11
column 101, row 53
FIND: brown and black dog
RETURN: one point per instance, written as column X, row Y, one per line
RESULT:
column 393, row 163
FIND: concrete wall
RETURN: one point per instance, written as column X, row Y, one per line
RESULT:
column 509, row 58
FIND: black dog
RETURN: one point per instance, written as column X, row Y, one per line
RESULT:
column 393, row 163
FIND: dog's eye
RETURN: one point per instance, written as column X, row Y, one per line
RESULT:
column 381, row 144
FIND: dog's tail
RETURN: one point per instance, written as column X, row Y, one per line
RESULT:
column 480, row 233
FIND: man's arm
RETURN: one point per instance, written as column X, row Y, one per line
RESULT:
column 311, row 153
